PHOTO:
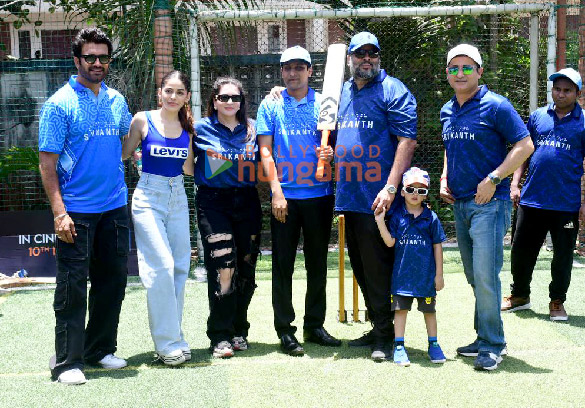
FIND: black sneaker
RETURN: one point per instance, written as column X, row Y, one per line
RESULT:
column 381, row 351
column 365, row 341
column 472, row 350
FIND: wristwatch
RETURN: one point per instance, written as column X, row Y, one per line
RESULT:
column 494, row 179
column 390, row 188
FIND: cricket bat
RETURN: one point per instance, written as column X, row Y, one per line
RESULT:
column 332, row 85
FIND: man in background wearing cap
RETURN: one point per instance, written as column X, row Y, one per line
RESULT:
column 287, row 135
column 551, row 195
column 375, row 143
column 477, row 127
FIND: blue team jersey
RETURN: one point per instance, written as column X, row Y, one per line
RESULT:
column 293, row 127
column 414, row 268
column 476, row 136
column 554, row 174
column 370, row 120
column 85, row 130
column 224, row 158
column 161, row 155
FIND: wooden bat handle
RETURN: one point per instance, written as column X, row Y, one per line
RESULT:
column 321, row 163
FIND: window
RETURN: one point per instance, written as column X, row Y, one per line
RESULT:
column 273, row 38
column 57, row 43
column 24, row 44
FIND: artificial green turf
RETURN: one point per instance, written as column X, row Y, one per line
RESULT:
column 543, row 368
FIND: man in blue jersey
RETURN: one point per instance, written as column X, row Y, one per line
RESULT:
column 80, row 152
column 477, row 127
column 375, row 143
column 288, row 140
column 551, row 196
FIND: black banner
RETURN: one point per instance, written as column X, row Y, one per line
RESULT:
column 27, row 241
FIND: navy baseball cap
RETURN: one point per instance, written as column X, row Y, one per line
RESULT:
column 361, row 39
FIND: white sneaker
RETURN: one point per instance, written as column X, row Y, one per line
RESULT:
column 112, row 362
column 73, row 376
column 239, row 343
column 223, row 349
column 174, row 358
column 187, row 353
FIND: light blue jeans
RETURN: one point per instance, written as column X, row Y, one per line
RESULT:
column 161, row 226
column 480, row 236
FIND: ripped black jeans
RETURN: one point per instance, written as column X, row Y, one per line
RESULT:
column 230, row 220
column 100, row 251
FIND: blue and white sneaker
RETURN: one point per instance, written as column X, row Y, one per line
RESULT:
column 486, row 360
column 400, row 356
column 436, row 354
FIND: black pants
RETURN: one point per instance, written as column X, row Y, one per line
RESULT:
column 531, row 227
column 230, row 220
column 313, row 216
column 371, row 261
column 99, row 250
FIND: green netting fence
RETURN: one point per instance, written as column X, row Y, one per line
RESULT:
column 244, row 39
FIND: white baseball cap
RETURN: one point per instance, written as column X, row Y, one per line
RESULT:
column 295, row 53
column 416, row 175
column 467, row 51
column 570, row 74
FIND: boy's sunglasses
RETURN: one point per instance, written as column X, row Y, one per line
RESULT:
column 467, row 70
column 224, row 98
column 419, row 191
column 362, row 53
column 91, row 58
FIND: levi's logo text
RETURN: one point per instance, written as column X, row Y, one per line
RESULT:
column 172, row 152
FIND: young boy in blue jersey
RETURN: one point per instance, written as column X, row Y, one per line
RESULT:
column 417, row 234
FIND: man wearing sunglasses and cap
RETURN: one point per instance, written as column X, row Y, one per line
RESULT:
column 375, row 142
column 287, row 136
column 477, row 127
column 550, row 200
column 81, row 128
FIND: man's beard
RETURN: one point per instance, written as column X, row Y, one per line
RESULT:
column 85, row 73
column 357, row 72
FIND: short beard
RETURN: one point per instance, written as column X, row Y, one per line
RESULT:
column 356, row 72
column 86, row 75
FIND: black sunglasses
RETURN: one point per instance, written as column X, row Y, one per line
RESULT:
column 419, row 191
column 91, row 58
column 224, row 98
column 362, row 53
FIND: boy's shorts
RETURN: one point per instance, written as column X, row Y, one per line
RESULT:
column 425, row 304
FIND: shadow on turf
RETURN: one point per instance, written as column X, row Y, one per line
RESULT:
column 510, row 365
column 200, row 357
column 574, row 320
column 94, row 373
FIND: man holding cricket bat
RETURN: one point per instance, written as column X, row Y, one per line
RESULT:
column 287, row 136
column 375, row 143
